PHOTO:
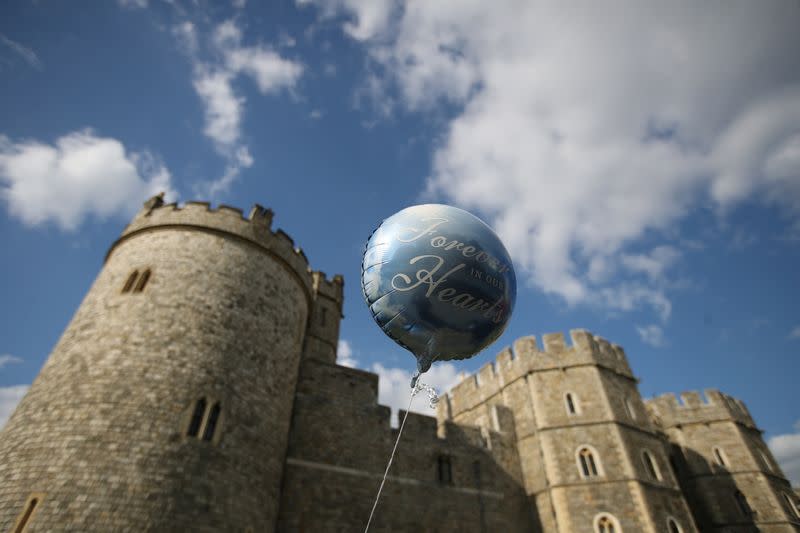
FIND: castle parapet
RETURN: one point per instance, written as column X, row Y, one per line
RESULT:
column 256, row 229
column 526, row 357
column 692, row 408
column 331, row 288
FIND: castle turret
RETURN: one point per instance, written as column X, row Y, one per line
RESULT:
column 166, row 403
column 591, row 458
column 728, row 474
column 326, row 314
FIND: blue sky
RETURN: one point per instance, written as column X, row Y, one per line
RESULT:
column 641, row 162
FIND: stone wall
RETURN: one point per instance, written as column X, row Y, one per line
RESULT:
column 341, row 440
column 101, row 433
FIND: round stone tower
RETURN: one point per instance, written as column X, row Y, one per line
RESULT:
column 166, row 403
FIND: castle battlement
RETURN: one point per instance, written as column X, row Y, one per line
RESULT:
column 332, row 288
column 525, row 357
column 255, row 228
column 669, row 411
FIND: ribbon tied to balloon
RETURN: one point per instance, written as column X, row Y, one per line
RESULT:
column 439, row 282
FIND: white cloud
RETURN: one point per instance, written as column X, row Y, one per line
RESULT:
column 584, row 130
column 133, row 4
column 652, row 335
column 24, row 52
column 786, row 449
column 316, row 114
column 223, row 107
column 344, row 355
column 394, row 387
column 795, row 333
column 654, row 264
column 6, row 359
column 80, row 175
column 364, row 18
column 9, row 398
column 186, row 35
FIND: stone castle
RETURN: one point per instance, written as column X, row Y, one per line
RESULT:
column 196, row 389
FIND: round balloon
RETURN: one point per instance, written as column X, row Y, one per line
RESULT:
column 439, row 282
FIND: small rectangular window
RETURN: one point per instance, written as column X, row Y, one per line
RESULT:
column 445, row 470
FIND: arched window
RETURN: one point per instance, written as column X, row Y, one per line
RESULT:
column 742, row 504
column 651, row 466
column 571, row 401
column 143, row 279
column 606, row 523
column 131, row 280
column 588, row 462
column 794, row 508
column 629, row 408
column 197, row 418
column 27, row 513
column 211, row 422
column 672, row 526
column 719, row 456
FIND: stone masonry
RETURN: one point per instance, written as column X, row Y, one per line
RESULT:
column 204, row 395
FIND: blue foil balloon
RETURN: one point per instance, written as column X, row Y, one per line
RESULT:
column 439, row 282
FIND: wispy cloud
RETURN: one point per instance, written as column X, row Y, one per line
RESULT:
column 652, row 335
column 344, row 354
column 80, row 175
column 795, row 333
column 9, row 398
column 786, row 449
column 576, row 168
column 24, row 52
column 6, row 359
column 224, row 108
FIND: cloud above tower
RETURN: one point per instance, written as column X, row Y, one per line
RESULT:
column 80, row 175
column 585, row 132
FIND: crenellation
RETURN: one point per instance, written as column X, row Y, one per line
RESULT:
column 583, row 340
column 525, row 347
column 283, row 236
column 260, row 215
column 504, row 359
column 693, row 399
column 554, row 343
column 199, row 216
column 332, row 288
column 694, row 407
column 227, row 210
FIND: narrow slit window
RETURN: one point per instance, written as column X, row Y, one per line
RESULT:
column 719, row 457
column 673, row 526
column 211, row 423
column 143, row 279
column 629, row 408
column 131, row 280
column 323, row 316
column 30, row 507
column 197, row 418
column 587, row 463
column 651, row 466
column 794, row 508
column 767, row 462
column 445, row 469
column 571, row 405
column 742, row 504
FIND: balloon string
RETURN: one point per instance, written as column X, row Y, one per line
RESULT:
column 391, row 458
